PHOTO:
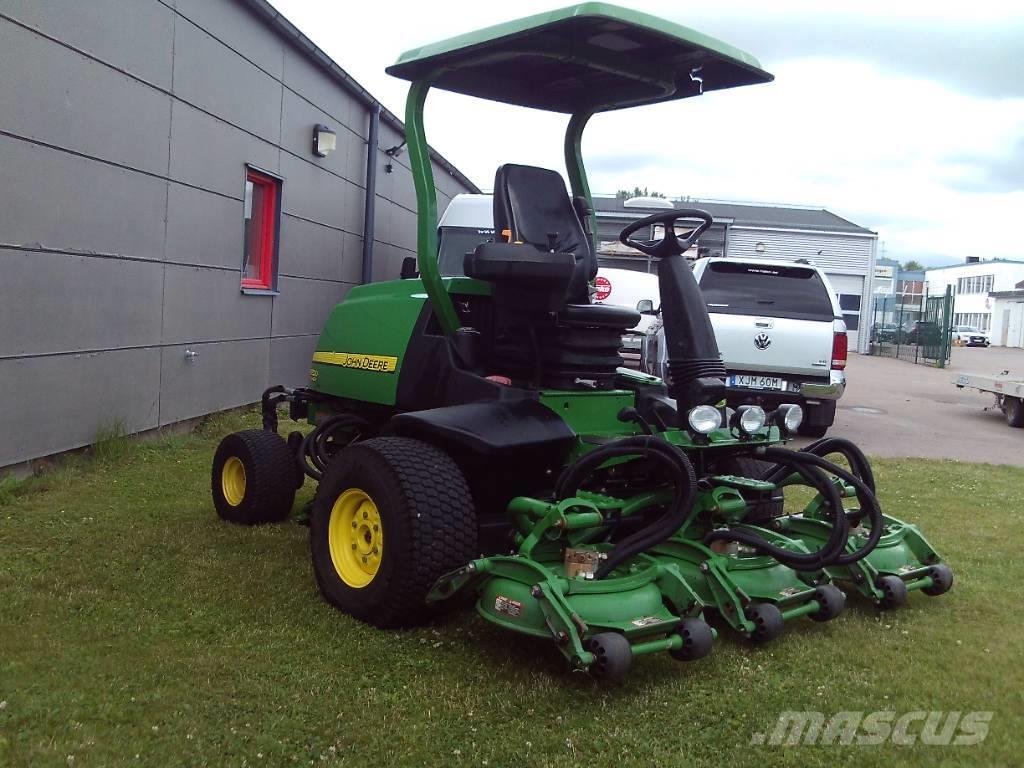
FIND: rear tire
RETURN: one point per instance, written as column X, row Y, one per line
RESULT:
column 253, row 478
column 1013, row 409
column 403, row 509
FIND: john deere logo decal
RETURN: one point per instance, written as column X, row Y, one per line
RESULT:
column 376, row 363
column 762, row 341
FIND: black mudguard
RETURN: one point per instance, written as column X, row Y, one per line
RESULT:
column 490, row 428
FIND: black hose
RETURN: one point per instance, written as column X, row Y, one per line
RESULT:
column 865, row 496
column 859, row 464
column 860, row 467
column 316, row 454
column 680, row 470
column 833, row 547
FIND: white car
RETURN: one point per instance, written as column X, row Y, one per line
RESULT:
column 969, row 336
column 780, row 331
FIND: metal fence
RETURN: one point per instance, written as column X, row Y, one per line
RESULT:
column 915, row 328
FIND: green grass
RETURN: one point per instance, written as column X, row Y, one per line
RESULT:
column 137, row 629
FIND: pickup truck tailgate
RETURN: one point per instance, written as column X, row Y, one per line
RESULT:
column 774, row 344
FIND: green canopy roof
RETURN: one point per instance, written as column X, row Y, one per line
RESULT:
column 592, row 56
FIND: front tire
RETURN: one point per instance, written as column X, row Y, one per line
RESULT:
column 818, row 419
column 253, row 478
column 391, row 516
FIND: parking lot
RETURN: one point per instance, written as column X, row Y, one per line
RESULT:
column 895, row 408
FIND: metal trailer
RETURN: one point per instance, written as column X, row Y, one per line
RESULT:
column 1007, row 389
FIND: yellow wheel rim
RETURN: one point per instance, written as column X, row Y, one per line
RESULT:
column 232, row 481
column 355, row 537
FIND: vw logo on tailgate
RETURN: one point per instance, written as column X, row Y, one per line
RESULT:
column 762, row 341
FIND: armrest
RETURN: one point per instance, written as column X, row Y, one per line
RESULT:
column 515, row 262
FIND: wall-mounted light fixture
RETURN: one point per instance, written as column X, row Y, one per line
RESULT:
column 324, row 140
column 392, row 153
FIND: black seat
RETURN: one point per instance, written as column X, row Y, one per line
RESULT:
column 533, row 206
column 546, row 331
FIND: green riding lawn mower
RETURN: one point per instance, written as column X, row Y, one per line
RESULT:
column 477, row 434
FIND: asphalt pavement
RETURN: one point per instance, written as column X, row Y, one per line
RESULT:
column 900, row 409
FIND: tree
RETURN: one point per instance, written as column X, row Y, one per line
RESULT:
column 912, row 266
column 625, row 194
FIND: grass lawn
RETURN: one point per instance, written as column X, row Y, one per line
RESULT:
column 136, row 628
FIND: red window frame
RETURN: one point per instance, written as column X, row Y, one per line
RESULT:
column 261, row 240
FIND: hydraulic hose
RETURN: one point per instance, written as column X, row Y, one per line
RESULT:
column 865, row 495
column 833, row 547
column 315, row 454
column 859, row 463
column 683, row 478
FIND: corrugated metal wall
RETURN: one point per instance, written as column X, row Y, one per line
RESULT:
column 124, row 133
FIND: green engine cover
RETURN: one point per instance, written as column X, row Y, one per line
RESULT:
column 359, row 355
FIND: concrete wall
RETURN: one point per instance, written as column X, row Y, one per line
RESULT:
column 124, row 134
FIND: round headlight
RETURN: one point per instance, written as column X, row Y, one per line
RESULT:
column 704, row 419
column 752, row 418
column 792, row 416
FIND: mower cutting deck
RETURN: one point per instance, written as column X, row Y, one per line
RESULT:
column 478, row 433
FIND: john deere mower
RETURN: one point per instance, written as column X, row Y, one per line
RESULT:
column 477, row 433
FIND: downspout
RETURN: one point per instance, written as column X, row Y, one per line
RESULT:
column 371, row 194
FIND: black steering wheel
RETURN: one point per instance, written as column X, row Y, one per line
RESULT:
column 670, row 244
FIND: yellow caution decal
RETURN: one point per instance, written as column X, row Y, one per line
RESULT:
column 376, row 363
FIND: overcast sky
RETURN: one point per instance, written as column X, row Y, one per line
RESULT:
column 905, row 117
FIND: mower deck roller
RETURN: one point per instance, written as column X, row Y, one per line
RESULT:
column 476, row 433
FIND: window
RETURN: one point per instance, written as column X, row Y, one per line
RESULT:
column 262, row 216
column 453, row 245
column 754, row 289
column 849, row 303
column 981, row 321
column 975, row 284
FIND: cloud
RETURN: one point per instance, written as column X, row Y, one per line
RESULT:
column 903, row 117
column 621, row 162
column 976, row 59
column 1002, row 171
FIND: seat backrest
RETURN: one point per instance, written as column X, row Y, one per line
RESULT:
column 533, row 204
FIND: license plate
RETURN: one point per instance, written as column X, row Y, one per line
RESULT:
column 757, row 382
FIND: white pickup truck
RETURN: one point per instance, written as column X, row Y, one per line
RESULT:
column 780, row 332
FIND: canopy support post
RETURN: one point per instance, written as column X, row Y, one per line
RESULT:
column 426, row 205
column 574, row 162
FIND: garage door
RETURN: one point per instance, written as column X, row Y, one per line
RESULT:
column 850, row 290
